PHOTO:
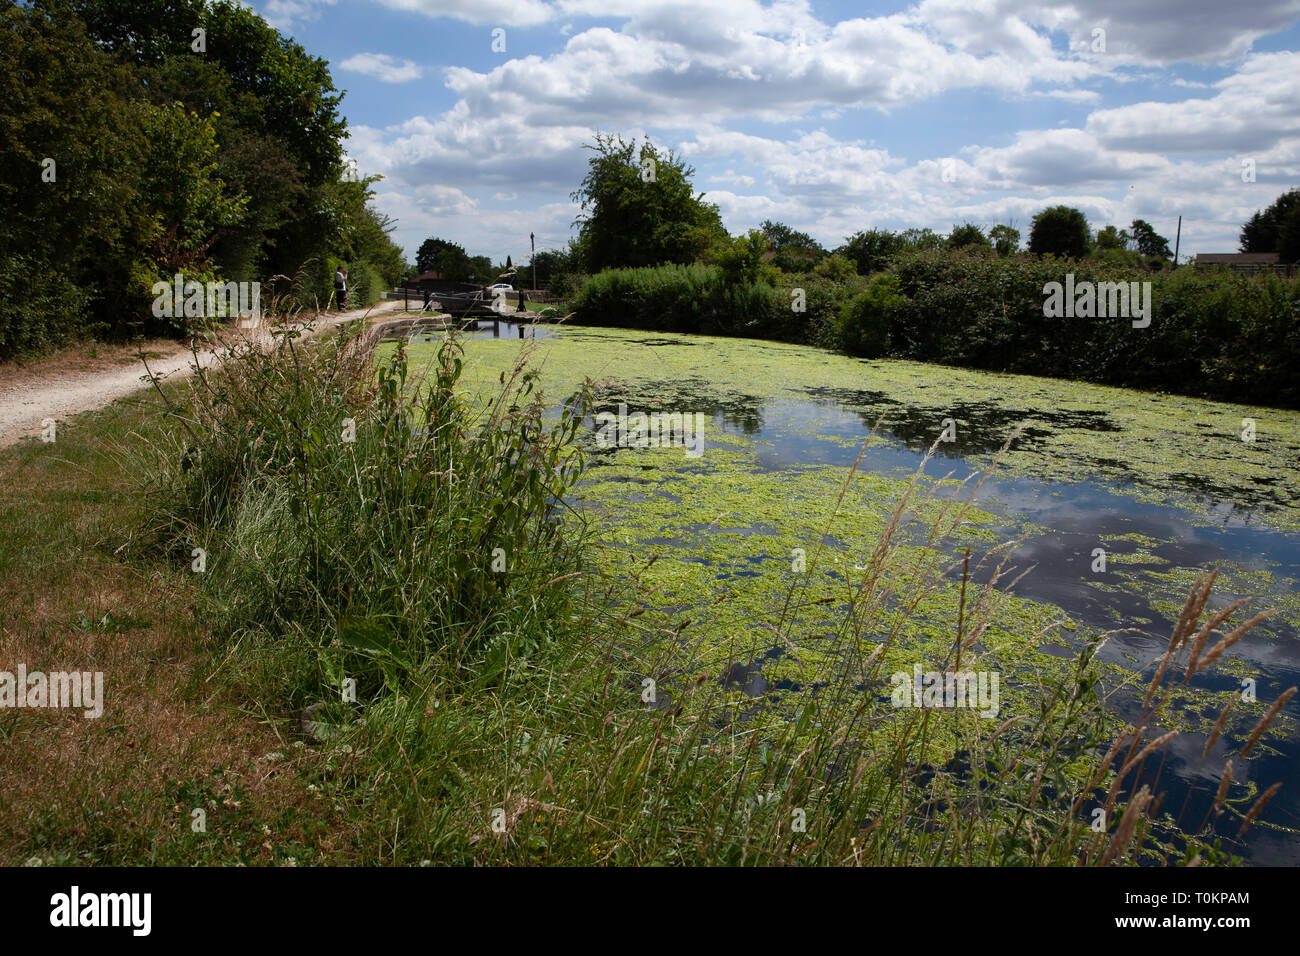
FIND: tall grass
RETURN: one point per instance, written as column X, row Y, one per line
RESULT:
column 499, row 714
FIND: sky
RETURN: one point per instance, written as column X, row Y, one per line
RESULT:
column 829, row 116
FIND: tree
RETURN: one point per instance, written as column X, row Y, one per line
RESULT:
column 274, row 107
column 870, row 250
column 919, row 240
column 1143, row 236
column 1060, row 231
column 180, row 187
column 224, row 163
column 557, row 264
column 426, row 257
column 1110, row 238
column 792, row 250
column 1276, row 229
column 639, row 208
column 481, row 271
column 1006, row 239
column 968, row 234
column 71, row 147
column 742, row 261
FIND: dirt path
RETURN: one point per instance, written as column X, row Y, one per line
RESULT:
column 40, row 393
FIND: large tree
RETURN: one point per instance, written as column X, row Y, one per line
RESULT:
column 1060, row 231
column 446, row 257
column 273, row 106
column 967, row 234
column 1144, row 238
column 639, row 208
column 142, row 137
column 1276, row 229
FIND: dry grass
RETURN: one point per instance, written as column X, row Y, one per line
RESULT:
column 121, row 788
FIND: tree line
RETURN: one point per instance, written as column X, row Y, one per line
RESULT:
column 638, row 208
column 144, row 138
column 971, row 298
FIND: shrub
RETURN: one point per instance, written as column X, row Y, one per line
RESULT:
column 1060, row 231
column 39, row 308
column 1218, row 335
column 668, row 298
column 366, row 285
column 864, row 322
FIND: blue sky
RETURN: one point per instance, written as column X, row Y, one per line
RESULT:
column 829, row 116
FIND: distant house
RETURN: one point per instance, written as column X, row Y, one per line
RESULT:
column 1234, row 258
column 1250, row 262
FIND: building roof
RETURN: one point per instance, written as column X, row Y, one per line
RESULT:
column 1211, row 258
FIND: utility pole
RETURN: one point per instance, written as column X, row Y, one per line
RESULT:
column 1177, row 238
column 532, row 242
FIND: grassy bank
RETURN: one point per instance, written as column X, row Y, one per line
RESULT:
column 399, row 649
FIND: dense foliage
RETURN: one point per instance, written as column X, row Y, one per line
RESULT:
column 1060, row 231
column 1276, row 229
column 1212, row 334
column 1218, row 335
column 147, row 138
column 640, row 209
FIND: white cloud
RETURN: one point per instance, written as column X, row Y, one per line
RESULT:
column 1255, row 109
column 283, row 14
column 1149, row 31
column 689, row 72
column 519, row 13
column 383, row 67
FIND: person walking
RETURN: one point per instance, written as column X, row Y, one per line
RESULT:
column 341, row 288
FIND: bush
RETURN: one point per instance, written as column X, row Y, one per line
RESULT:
column 39, row 308
column 366, row 286
column 698, row 298
column 823, row 298
column 668, row 298
column 864, row 322
column 1212, row 334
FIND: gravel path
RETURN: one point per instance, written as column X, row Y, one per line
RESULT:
column 23, row 407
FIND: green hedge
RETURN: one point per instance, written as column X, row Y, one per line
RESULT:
column 695, row 298
column 366, row 286
column 39, row 308
column 1212, row 334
